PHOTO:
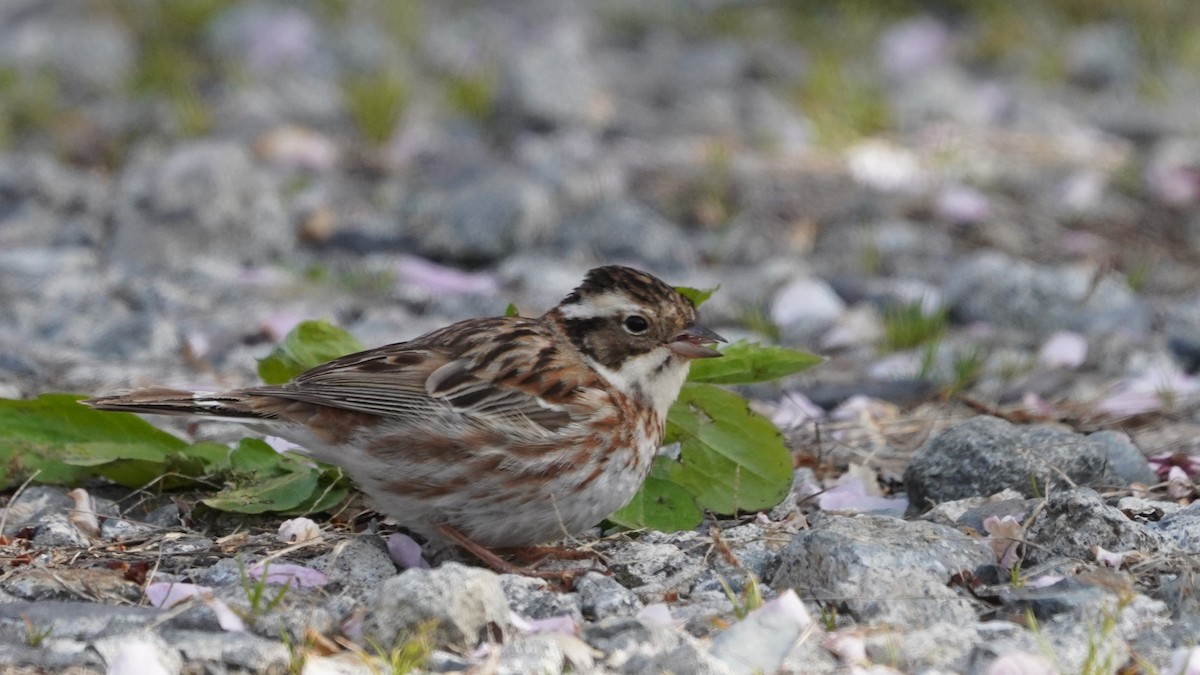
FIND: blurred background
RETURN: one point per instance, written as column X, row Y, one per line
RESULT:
column 180, row 182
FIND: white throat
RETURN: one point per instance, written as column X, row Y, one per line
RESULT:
column 646, row 376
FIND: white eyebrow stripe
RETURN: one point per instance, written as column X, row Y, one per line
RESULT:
column 605, row 304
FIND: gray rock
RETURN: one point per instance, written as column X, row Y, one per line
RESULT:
column 686, row 657
column 92, row 52
column 55, row 531
column 870, row 566
column 467, row 603
column 602, row 597
column 985, row 455
column 547, row 653
column 762, row 642
column 361, row 565
column 33, row 505
column 992, row 287
column 73, row 620
column 44, row 203
column 221, row 651
column 534, row 599
column 480, row 219
column 1074, row 522
column 805, row 308
column 1183, row 527
column 655, row 564
column 51, row 656
column 1125, row 460
column 1102, row 55
column 940, row 647
column 626, row 231
column 634, row 646
column 203, row 198
column 551, row 82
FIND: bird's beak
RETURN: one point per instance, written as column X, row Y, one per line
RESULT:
column 692, row 343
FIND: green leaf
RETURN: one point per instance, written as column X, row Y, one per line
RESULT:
column 332, row 488
column 281, row 493
column 697, row 295
column 731, row 458
column 309, row 344
column 254, row 455
column 745, row 362
column 660, row 505
column 41, row 434
column 512, row 310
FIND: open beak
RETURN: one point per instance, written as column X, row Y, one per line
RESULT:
column 692, row 343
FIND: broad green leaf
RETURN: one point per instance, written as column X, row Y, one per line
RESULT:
column 37, row 434
column 697, row 295
column 660, row 505
column 138, row 465
column 512, row 310
column 254, row 455
column 213, row 456
column 731, row 459
column 332, row 488
column 746, row 362
column 57, row 419
column 309, row 344
column 281, row 493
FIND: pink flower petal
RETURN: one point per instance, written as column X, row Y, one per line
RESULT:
column 1007, row 534
column 298, row 530
column 163, row 594
column 795, row 410
column 658, row 613
column 1109, row 558
column 1064, row 349
column 850, row 494
column 296, row 576
column 788, row 605
column 226, row 617
column 406, row 552
column 136, row 656
column 561, row 625
column 1185, row 661
column 962, row 204
column 437, row 279
column 1044, row 581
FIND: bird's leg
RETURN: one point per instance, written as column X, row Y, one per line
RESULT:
column 498, row 564
column 535, row 554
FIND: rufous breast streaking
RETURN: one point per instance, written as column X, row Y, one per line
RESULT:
column 513, row 431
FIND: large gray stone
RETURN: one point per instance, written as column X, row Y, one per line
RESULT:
column 466, row 604
column 882, row 569
column 985, row 455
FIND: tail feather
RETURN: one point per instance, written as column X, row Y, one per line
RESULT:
column 164, row 401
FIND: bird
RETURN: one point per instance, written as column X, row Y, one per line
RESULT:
column 500, row 432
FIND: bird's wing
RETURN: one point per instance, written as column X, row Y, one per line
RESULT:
column 488, row 378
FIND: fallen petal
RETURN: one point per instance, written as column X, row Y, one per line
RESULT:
column 163, row 594
column 406, row 552
column 226, row 617
column 1064, row 349
column 83, row 514
column 298, row 530
column 658, row 613
column 296, row 576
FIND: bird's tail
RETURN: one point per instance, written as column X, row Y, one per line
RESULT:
column 163, row 401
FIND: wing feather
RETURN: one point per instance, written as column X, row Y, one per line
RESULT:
column 420, row 383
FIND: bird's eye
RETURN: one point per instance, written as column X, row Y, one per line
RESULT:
column 636, row 324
